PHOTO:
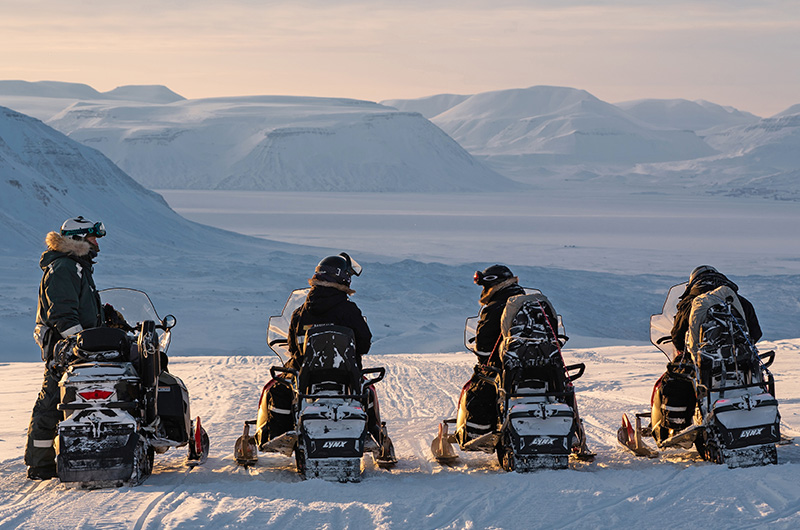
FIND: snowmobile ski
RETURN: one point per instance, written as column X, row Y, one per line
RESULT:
column 385, row 459
column 442, row 446
column 630, row 437
column 246, row 452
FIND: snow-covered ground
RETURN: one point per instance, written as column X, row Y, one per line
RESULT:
column 617, row 490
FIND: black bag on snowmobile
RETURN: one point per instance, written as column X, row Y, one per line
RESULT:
column 477, row 406
column 275, row 415
column 673, row 401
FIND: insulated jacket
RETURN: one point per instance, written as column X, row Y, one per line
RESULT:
column 68, row 298
column 701, row 285
column 494, row 301
column 326, row 303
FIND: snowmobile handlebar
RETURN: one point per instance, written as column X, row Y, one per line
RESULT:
column 274, row 371
column 769, row 355
column 381, row 371
column 581, row 367
column 664, row 340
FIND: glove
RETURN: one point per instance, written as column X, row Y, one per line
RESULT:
column 114, row 319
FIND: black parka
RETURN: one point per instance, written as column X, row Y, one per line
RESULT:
column 327, row 303
column 494, row 302
column 68, row 296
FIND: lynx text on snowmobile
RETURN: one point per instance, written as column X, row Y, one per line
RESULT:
column 326, row 419
column 119, row 406
column 525, row 410
column 719, row 395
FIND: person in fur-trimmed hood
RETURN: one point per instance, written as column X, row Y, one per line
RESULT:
column 328, row 302
column 499, row 284
column 68, row 304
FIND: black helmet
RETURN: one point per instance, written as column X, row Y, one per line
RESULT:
column 701, row 270
column 493, row 275
column 337, row 269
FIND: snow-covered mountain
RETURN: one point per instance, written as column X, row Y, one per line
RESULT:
column 683, row 114
column 561, row 125
column 44, row 99
column 276, row 143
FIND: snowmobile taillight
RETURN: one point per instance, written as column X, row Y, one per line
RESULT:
column 92, row 395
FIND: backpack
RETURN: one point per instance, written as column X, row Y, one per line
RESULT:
column 530, row 349
column 718, row 338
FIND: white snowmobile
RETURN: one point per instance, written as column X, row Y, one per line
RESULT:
column 718, row 396
column 119, row 406
column 532, row 419
column 330, row 405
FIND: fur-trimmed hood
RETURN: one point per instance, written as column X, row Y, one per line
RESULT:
column 59, row 246
column 487, row 294
column 67, row 245
column 313, row 282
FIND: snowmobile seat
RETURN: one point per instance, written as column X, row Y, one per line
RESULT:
column 101, row 344
column 103, row 339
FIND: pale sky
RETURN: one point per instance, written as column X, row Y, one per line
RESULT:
column 733, row 52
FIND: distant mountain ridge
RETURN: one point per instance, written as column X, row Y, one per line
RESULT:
column 563, row 124
column 61, row 90
column 277, row 143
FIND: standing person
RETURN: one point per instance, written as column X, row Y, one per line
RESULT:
column 704, row 279
column 498, row 284
column 68, row 304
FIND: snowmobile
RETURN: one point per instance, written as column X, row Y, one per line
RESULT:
column 719, row 395
column 331, row 406
column 532, row 420
column 119, row 406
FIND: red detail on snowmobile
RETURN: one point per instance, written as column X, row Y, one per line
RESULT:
column 94, row 395
column 198, row 437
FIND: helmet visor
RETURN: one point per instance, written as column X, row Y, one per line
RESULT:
column 353, row 268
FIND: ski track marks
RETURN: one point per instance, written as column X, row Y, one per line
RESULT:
column 617, row 489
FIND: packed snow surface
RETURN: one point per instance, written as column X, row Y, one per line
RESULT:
column 617, row 490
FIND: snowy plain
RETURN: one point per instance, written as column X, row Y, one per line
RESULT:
column 604, row 255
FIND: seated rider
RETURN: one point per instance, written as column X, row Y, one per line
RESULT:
column 327, row 303
column 704, row 279
column 499, row 284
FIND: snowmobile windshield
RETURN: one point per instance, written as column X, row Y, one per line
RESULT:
column 135, row 307
column 661, row 324
column 278, row 327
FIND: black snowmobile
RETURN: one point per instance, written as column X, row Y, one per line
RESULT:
column 719, row 395
column 331, row 406
column 525, row 411
column 119, row 406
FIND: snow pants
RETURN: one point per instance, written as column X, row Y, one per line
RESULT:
column 40, row 450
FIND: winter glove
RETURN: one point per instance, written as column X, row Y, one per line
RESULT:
column 114, row 319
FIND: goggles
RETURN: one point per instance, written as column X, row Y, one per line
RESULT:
column 97, row 230
column 480, row 278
